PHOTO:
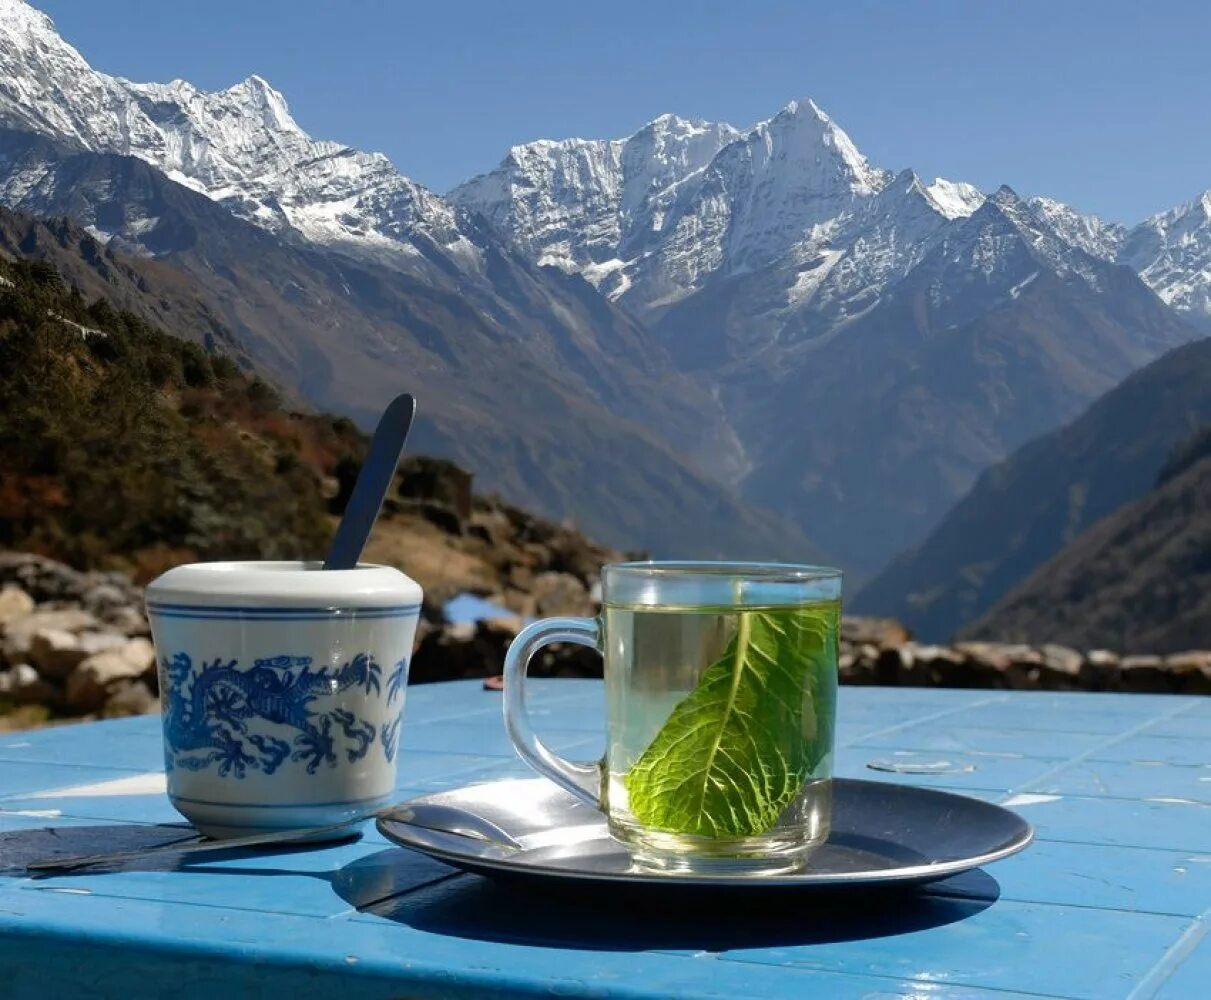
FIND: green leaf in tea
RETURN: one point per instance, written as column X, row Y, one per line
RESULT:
column 737, row 750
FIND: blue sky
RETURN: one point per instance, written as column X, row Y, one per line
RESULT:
column 1101, row 104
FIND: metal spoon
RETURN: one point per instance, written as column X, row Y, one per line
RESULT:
column 373, row 481
column 436, row 818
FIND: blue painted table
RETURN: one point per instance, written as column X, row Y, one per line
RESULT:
column 1112, row 901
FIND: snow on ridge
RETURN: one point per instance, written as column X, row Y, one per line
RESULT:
column 955, row 199
column 239, row 146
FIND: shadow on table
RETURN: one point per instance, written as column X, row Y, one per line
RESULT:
column 21, row 848
column 411, row 889
column 482, row 909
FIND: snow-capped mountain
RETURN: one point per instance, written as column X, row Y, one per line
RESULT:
column 345, row 281
column 1093, row 235
column 577, row 204
column 657, row 214
column 239, row 146
column 845, row 343
column 1172, row 253
column 929, row 326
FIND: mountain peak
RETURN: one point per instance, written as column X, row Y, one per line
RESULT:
column 270, row 104
column 802, row 132
column 955, row 199
column 1005, row 197
column 17, row 14
column 804, row 107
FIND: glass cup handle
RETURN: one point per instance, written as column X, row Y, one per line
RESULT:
column 582, row 780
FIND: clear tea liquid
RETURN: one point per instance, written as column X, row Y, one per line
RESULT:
column 720, row 735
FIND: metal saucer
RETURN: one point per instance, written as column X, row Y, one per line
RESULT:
column 882, row 835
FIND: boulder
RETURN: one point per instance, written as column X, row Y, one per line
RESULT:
column 44, row 579
column 932, row 666
column 572, row 553
column 561, row 594
column 1061, row 667
column 93, row 680
column 19, row 633
column 130, row 698
column 104, row 598
column 892, row 662
column 1100, row 670
column 877, row 631
column 55, row 652
column 14, row 603
column 128, row 620
column 1144, row 673
column 1025, row 669
column 491, row 526
column 1191, row 660
column 1191, row 671
column 21, row 685
column 992, row 655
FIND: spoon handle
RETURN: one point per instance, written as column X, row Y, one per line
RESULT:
column 372, row 484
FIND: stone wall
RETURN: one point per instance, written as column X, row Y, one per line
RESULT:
column 71, row 643
column 76, row 644
column 880, row 651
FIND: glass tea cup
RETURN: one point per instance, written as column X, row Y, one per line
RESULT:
column 721, row 684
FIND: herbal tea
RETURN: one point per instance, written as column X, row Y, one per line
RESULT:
column 720, row 730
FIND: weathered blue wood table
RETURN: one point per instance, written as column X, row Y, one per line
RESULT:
column 1112, row 901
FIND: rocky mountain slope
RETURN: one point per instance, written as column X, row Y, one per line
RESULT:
column 1027, row 508
column 148, row 289
column 929, row 327
column 127, row 449
column 1172, row 252
column 239, row 146
column 344, row 281
column 634, row 330
column 1137, row 580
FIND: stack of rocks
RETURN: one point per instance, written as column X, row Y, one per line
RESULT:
column 880, row 651
column 75, row 643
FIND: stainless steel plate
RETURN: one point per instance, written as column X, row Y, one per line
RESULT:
column 882, row 834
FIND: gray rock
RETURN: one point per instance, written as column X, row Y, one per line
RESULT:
column 1144, row 673
column 130, row 698
column 55, row 652
column 14, row 603
column 94, row 678
column 1100, row 671
column 989, row 656
column 1062, row 664
column 99, row 642
column 561, row 594
column 128, row 620
column 105, row 597
column 44, row 579
column 21, row 685
column 932, row 666
column 19, row 632
column 140, row 652
column 1191, row 660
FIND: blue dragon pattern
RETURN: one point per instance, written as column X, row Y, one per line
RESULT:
column 207, row 713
